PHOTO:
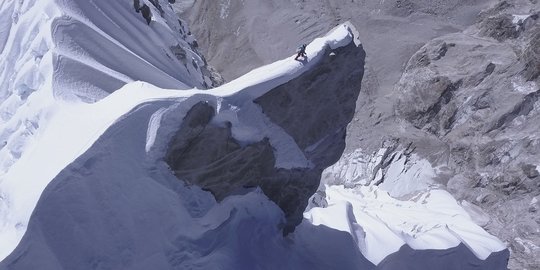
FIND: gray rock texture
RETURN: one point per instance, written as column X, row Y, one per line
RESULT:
column 314, row 109
column 479, row 98
column 452, row 82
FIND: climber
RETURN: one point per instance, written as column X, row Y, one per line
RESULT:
column 301, row 51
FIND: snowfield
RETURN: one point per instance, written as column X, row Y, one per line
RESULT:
column 90, row 96
column 430, row 220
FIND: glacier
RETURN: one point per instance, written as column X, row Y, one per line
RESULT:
column 89, row 103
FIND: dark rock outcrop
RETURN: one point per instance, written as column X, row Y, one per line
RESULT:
column 314, row 109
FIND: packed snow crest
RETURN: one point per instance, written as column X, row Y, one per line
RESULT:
column 92, row 93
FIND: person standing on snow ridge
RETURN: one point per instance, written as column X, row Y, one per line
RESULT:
column 301, row 51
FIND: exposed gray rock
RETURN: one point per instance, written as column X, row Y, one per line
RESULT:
column 233, row 34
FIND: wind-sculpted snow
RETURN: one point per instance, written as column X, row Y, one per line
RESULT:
column 119, row 207
column 382, row 225
column 101, row 45
column 83, row 51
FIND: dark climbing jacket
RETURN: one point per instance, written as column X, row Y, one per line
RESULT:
column 301, row 52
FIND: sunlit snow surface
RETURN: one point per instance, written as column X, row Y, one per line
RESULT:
column 380, row 224
column 114, row 145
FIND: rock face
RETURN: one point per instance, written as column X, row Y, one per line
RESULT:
column 314, row 109
column 460, row 112
column 490, row 125
column 476, row 94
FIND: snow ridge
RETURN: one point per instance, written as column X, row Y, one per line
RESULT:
column 56, row 55
column 21, row 188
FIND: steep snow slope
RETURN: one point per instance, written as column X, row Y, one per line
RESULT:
column 234, row 33
column 82, row 51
